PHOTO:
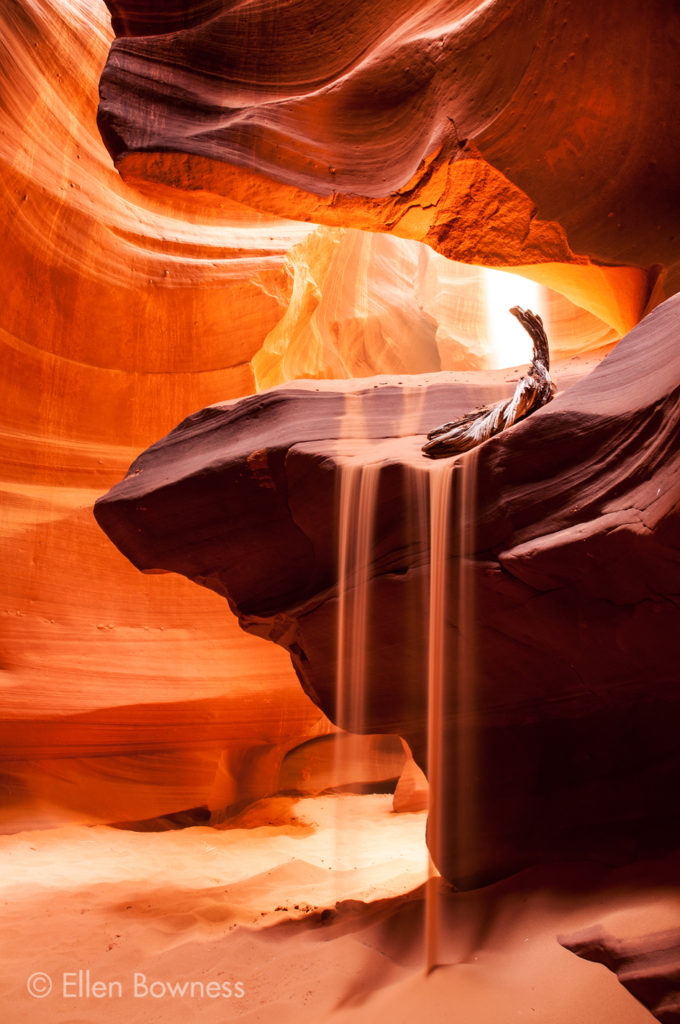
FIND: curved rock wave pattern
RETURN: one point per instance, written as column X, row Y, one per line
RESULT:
column 502, row 134
column 120, row 315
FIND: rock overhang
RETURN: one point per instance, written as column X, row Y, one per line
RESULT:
column 575, row 567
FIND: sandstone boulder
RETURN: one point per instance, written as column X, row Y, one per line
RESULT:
column 566, row 632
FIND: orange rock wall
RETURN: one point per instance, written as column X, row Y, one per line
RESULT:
column 519, row 133
column 127, row 306
column 365, row 302
column 119, row 317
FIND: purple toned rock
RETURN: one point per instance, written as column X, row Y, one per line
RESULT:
column 572, row 610
column 647, row 965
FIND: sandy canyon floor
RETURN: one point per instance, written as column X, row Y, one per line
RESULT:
column 317, row 915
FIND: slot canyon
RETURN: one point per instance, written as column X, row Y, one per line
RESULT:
column 299, row 724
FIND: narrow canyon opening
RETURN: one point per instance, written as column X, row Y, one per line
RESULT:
column 364, row 304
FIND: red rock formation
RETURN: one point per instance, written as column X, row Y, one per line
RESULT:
column 343, row 763
column 648, row 965
column 122, row 697
column 122, row 313
column 574, row 569
column 529, row 134
column 365, row 303
column 412, row 792
column 119, row 316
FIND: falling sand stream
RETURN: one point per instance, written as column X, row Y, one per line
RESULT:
column 357, row 502
column 451, row 688
column 447, row 535
column 358, row 493
column 440, row 502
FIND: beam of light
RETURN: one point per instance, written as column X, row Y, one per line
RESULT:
column 509, row 343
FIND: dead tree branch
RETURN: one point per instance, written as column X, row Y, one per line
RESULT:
column 533, row 390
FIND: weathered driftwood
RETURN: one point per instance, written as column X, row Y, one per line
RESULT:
column 533, row 390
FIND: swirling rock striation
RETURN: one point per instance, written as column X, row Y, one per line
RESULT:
column 120, row 315
column 529, row 133
column 573, row 570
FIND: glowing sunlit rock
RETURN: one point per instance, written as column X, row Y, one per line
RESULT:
column 119, row 316
column 365, row 303
column 500, row 135
column 124, row 312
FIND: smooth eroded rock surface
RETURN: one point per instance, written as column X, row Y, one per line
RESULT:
column 563, row 629
column 648, row 965
column 530, row 133
column 121, row 314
